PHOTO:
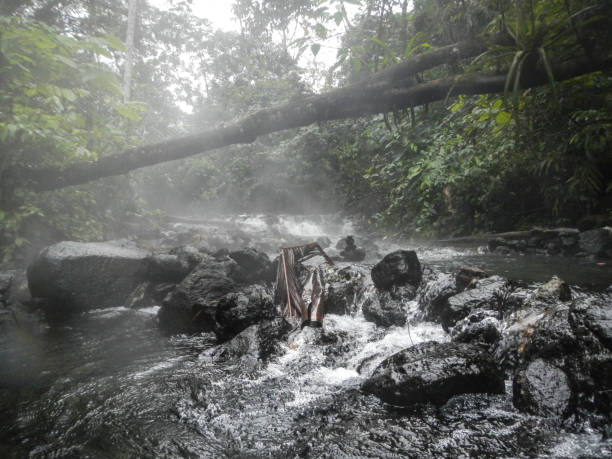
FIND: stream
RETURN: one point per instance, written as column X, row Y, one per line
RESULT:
column 107, row 383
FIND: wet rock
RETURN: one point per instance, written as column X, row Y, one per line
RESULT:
column 598, row 318
column 75, row 276
column 192, row 305
column 597, row 242
column 556, row 241
column 467, row 276
column 168, row 268
column 140, row 298
column 434, row 372
column 237, row 310
column 487, row 294
column 397, row 268
column 542, row 389
column 387, row 308
column 554, row 290
column 478, row 328
column 256, row 342
column 342, row 288
column 252, row 266
column 6, row 279
column 435, row 289
column 552, row 336
column 324, row 242
column 350, row 252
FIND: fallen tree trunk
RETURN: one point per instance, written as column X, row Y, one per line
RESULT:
column 395, row 91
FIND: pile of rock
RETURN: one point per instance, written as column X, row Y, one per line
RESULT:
column 595, row 243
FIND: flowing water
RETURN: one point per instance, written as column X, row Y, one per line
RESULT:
column 108, row 384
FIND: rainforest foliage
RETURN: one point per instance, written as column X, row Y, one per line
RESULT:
column 540, row 156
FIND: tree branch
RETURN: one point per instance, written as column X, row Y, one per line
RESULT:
column 353, row 101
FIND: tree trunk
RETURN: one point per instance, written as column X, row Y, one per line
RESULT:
column 392, row 91
column 129, row 45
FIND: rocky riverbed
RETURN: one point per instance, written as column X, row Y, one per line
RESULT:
column 174, row 347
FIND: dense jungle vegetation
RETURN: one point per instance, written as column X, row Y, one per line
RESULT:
column 83, row 79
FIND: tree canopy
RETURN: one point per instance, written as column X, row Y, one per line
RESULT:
column 456, row 113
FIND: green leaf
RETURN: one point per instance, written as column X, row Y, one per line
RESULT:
column 338, row 17
column 503, row 119
column 315, row 48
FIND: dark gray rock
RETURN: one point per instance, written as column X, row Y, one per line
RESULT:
column 467, row 275
column 597, row 242
column 435, row 289
column 324, row 242
column 252, row 266
column 387, row 308
column 192, row 305
column 256, row 342
column 6, row 280
column 75, row 276
column 168, row 268
column 553, row 291
column 598, row 318
column 478, row 328
column 434, row 372
column 397, row 268
column 542, row 389
column 349, row 250
column 237, row 310
column 487, row 294
column 552, row 337
column 342, row 288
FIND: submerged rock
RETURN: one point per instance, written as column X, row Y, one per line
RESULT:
column 75, row 276
column 542, row 389
column 397, row 268
column 433, row 372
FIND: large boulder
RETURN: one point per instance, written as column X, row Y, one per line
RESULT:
column 397, row 268
column 434, row 372
column 542, row 389
column 75, row 276
column 202, row 301
column 561, row 358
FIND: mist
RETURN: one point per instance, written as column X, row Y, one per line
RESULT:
column 305, row 228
